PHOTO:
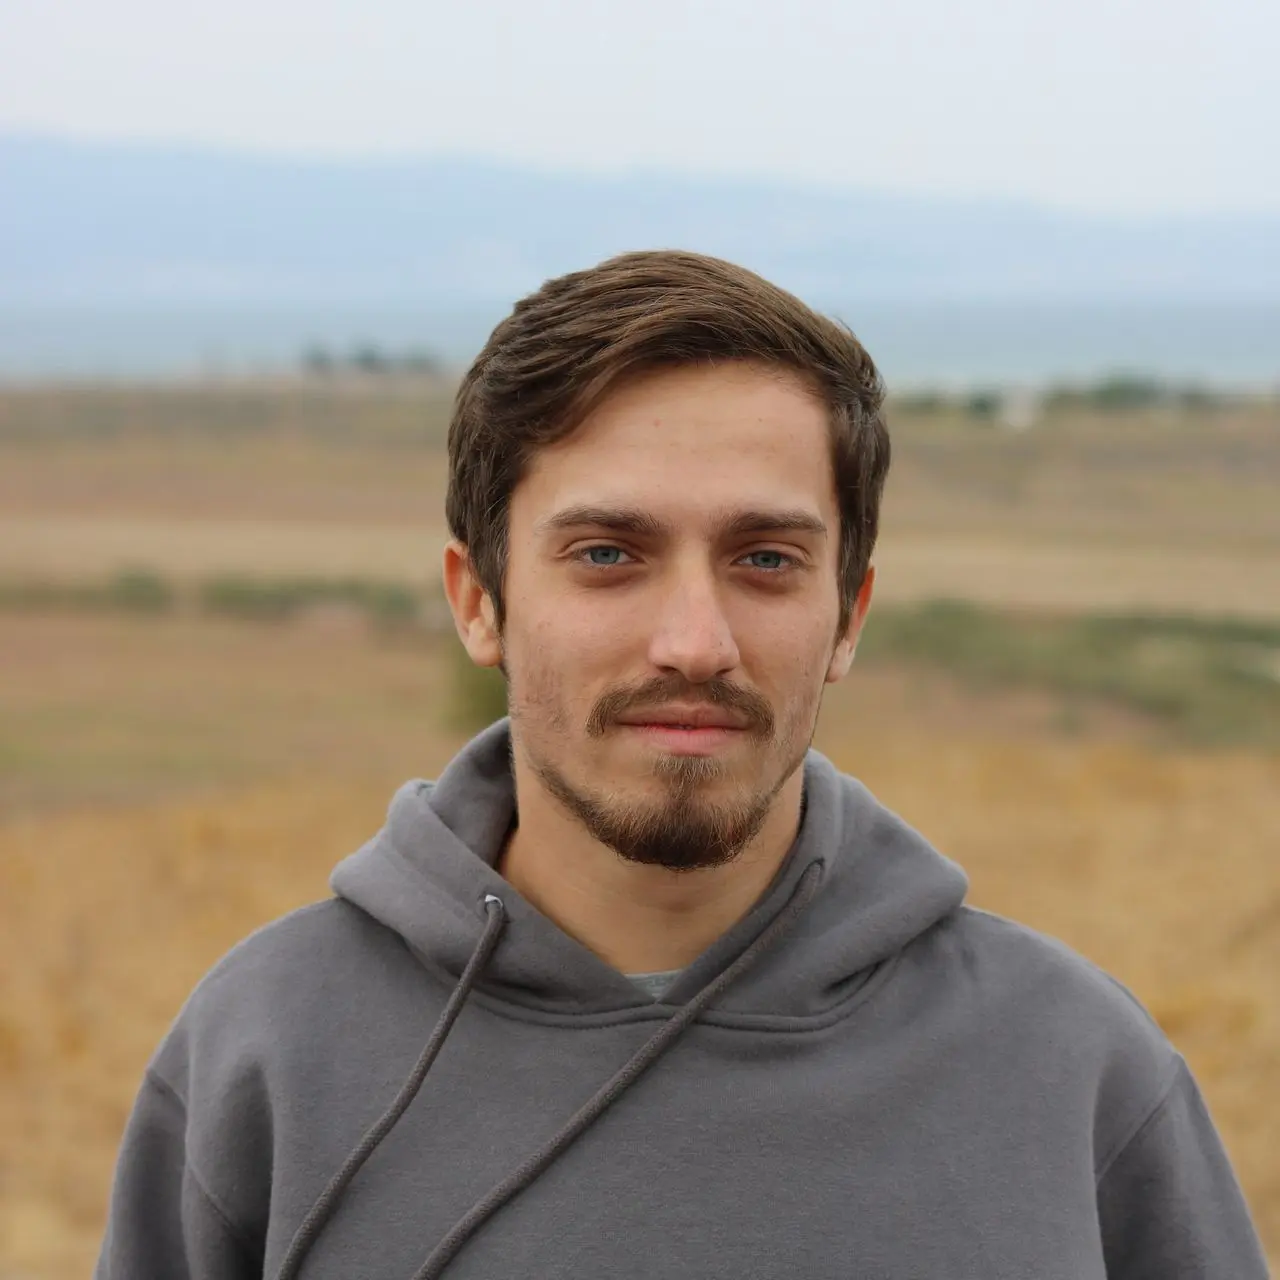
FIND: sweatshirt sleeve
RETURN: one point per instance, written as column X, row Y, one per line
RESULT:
column 163, row 1224
column 1168, row 1203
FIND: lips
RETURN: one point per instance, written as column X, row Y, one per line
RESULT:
column 683, row 718
column 670, row 705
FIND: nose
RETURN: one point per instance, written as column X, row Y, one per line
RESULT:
column 692, row 635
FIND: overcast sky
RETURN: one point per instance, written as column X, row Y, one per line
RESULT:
column 1111, row 105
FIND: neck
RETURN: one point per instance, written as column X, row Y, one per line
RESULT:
column 637, row 918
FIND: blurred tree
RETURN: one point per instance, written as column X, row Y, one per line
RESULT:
column 317, row 361
column 368, row 359
column 983, row 403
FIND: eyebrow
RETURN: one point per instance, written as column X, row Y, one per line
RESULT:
column 774, row 522
column 642, row 524
column 618, row 519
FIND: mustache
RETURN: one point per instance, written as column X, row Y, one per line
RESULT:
column 751, row 706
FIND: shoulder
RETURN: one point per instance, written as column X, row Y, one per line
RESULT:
column 317, row 949
column 1060, row 1015
column 1028, row 957
column 1049, row 984
column 317, row 966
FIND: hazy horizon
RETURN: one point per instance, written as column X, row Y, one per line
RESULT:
column 991, row 191
column 1149, row 107
column 917, row 347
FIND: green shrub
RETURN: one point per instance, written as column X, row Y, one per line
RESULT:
column 1119, row 393
column 246, row 598
column 390, row 605
column 1125, row 391
column 274, row 599
column 25, row 594
column 477, row 695
column 131, row 591
column 1209, row 680
column 139, row 591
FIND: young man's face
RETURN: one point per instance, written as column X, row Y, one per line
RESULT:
column 672, row 608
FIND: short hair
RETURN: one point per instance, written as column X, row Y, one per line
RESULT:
column 565, row 347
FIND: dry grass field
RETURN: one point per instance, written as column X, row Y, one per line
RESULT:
column 1162, row 509
column 169, row 782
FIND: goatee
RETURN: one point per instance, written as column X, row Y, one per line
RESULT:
column 683, row 831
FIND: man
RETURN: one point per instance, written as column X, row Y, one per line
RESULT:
column 642, row 986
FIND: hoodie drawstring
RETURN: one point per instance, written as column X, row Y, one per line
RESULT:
column 322, row 1210
column 535, row 1164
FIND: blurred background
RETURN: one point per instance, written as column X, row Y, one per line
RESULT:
column 245, row 250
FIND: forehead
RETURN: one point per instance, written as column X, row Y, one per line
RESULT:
column 692, row 438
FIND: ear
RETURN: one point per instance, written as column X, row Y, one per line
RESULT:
column 842, row 658
column 473, row 612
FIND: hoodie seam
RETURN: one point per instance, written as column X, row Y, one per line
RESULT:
column 725, row 1020
column 532, row 1014
column 1145, row 1121
column 232, row 1229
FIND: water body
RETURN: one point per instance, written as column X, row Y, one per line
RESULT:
column 949, row 344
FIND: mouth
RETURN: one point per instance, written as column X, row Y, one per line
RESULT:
column 685, row 731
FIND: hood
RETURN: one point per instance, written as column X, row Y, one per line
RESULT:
column 426, row 873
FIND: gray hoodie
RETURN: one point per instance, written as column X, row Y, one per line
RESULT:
column 862, row 1078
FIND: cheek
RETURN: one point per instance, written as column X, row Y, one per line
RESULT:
column 791, row 660
column 554, row 663
column 592, row 638
column 808, row 680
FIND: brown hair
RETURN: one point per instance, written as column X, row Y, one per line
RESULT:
column 565, row 347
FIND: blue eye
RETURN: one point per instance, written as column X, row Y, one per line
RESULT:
column 603, row 556
column 768, row 559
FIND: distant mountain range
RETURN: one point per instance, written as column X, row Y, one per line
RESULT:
column 105, row 224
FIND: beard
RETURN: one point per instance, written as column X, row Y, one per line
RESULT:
column 683, row 829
